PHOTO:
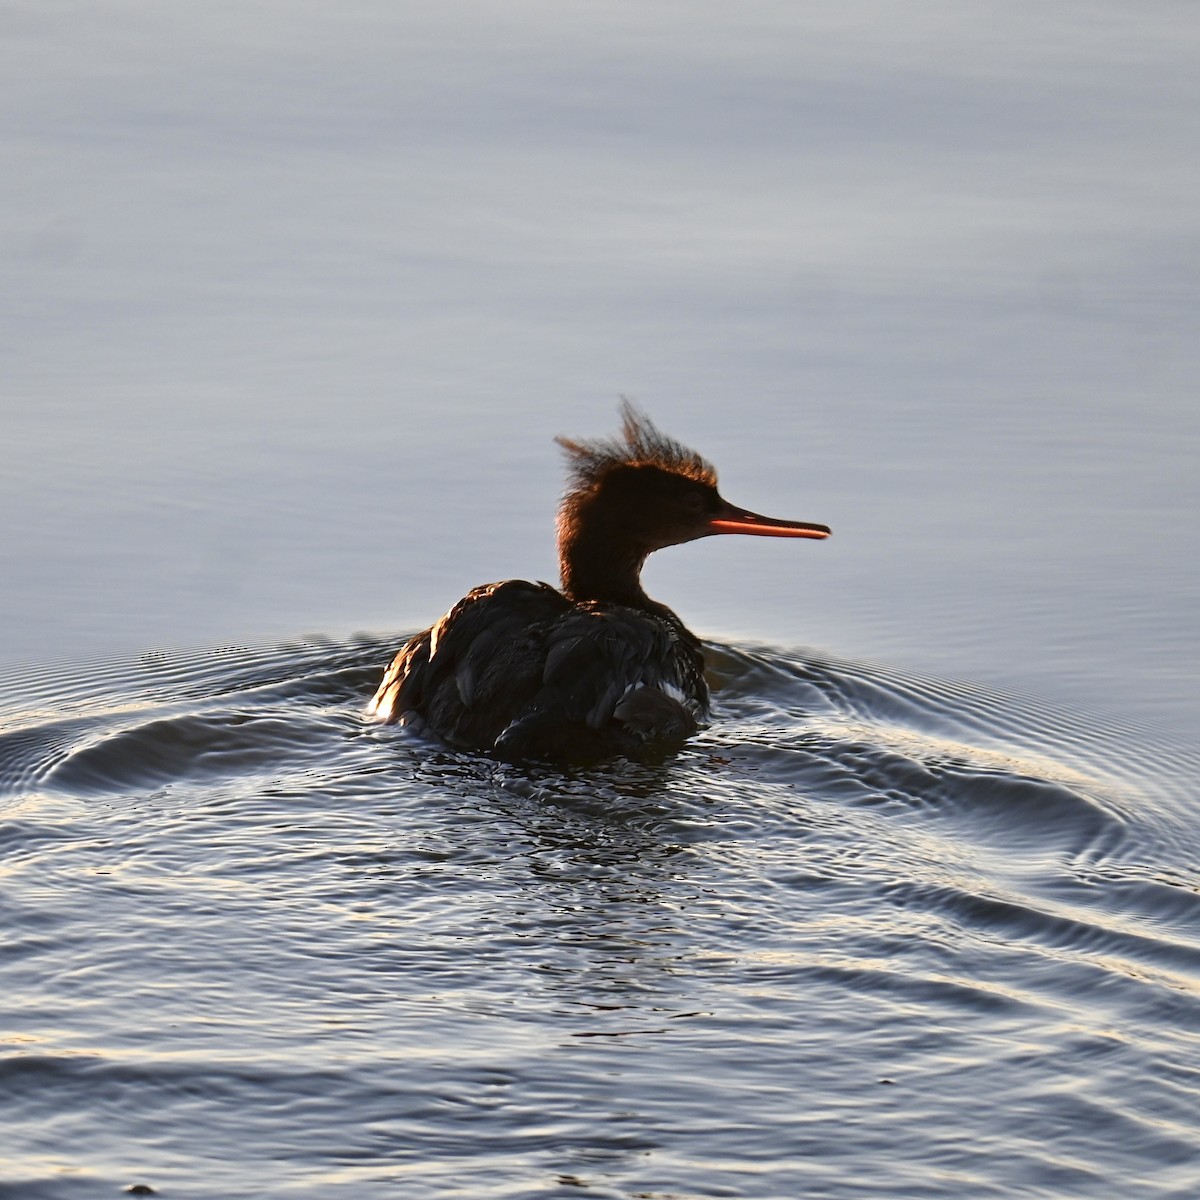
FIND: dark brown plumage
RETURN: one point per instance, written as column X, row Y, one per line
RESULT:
column 598, row 668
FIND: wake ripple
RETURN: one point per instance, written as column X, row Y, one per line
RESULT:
column 855, row 877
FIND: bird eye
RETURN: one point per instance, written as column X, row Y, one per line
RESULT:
column 693, row 503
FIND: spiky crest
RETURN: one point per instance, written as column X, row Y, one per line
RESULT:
column 644, row 445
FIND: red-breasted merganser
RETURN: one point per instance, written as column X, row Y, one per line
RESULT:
column 598, row 668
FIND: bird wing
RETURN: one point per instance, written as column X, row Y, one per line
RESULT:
column 467, row 674
column 614, row 678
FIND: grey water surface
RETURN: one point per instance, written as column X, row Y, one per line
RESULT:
column 296, row 297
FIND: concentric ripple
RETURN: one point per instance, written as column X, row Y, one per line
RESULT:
column 868, row 935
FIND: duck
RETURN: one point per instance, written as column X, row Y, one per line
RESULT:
column 595, row 668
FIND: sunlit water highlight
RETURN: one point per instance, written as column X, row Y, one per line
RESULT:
column 869, row 935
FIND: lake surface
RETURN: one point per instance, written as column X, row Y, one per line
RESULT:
column 296, row 299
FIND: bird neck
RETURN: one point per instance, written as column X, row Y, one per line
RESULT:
column 596, row 565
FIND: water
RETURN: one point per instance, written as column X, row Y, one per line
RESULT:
column 870, row 935
column 296, row 298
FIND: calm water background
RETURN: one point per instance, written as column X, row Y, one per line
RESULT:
column 295, row 298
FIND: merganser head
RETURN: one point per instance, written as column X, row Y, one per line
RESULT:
column 627, row 498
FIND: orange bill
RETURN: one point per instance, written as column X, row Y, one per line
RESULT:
column 740, row 520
